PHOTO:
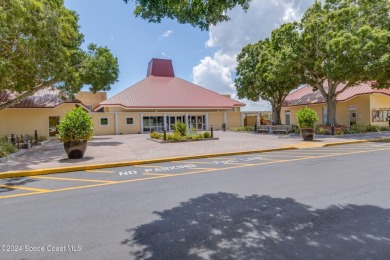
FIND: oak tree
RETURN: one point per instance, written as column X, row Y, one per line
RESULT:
column 269, row 69
column 345, row 42
column 198, row 13
column 40, row 47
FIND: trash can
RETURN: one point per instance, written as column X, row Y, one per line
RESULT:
column 224, row 127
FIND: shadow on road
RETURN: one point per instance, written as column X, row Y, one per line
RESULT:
column 226, row 226
column 14, row 182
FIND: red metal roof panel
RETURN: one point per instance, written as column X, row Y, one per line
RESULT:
column 306, row 95
column 169, row 92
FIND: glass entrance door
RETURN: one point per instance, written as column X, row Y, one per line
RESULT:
column 197, row 122
column 54, row 121
column 153, row 123
column 352, row 117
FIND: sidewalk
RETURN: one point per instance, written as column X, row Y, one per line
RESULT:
column 127, row 148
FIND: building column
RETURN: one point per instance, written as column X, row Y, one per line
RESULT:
column 165, row 121
column 116, row 123
column 242, row 119
column 258, row 119
column 206, row 119
column 225, row 119
column 141, row 117
column 186, row 119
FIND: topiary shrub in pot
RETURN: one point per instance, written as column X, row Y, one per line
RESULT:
column 75, row 129
column 306, row 120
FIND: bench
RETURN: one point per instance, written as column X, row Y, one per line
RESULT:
column 281, row 129
column 263, row 129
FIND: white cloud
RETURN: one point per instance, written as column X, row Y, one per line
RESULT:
column 214, row 75
column 216, row 71
column 166, row 55
column 166, row 34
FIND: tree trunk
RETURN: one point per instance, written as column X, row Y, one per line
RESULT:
column 331, row 110
column 276, row 113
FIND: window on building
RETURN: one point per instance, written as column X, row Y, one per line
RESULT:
column 380, row 115
column 129, row 120
column 103, row 121
column 288, row 117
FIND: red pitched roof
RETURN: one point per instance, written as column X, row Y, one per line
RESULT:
column 44, row 98
column 168, row 91
column 306, row 95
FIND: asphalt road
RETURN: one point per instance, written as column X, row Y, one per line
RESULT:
column 322, row 203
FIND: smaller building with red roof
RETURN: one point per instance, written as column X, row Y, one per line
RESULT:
column 361, row 104
column 162, row 99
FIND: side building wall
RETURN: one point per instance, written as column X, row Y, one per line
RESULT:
column 22, row 121
column 360, row 104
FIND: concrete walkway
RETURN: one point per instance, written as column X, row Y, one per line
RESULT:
column 124, row 148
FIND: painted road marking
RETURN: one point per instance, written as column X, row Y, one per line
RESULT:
column 147, row 166
column 193, row 162
column 21, row 194
column 170, row 168
column 22, row 188
column 102, row 171
column 71, row 179
column 238, row 160
column 201, row 168
column 188, row 173
column 157, row 174
column 282, row 155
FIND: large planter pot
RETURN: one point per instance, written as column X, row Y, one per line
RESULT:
column 75, row 149
column 307, row 134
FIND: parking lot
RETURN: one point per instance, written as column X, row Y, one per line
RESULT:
column 93, row 179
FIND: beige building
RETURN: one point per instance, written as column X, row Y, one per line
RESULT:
column 154, row 103
column 361, row 104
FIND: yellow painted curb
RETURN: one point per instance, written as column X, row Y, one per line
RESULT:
column 13, row 174
column 359, row 141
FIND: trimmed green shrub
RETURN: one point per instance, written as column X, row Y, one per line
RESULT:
column 384, row 128
column 180, row 128
column 192, row 131
column 174, row 137
column 76, row 125
column 372, row 128
column 242, row 129
column 156, row 135
column 206, row 134
column 306, row 118
column 42, row 138
column 235, row 129
column 6, row 147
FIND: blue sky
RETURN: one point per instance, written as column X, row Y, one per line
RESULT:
column 205, row 58
column 135, row 41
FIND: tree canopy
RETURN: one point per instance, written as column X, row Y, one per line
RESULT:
column 345, row 41
column 40, row 47
column 198, row 13
column 269, row 69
